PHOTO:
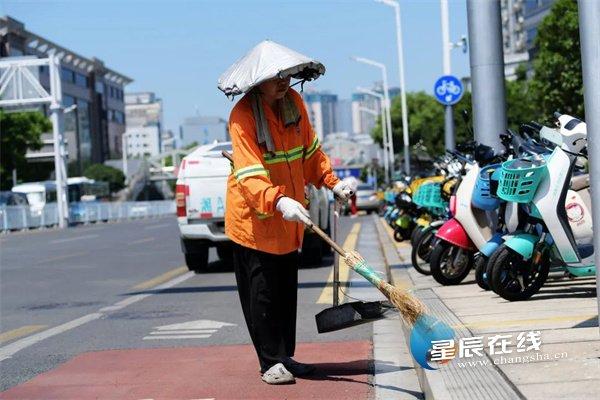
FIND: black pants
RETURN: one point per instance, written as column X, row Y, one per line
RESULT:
column 267, row 285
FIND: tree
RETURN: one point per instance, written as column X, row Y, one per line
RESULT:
column 425, row 122
column 19, row 131
column 105, row 173
column 557, row 81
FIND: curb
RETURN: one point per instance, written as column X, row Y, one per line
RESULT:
column 450, row 382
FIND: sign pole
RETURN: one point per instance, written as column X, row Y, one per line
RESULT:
column 449, row 120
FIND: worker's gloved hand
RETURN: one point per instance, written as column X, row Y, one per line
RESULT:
column 292, row 210
column 342, row 191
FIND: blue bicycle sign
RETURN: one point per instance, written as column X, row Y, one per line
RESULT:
column 448, row 90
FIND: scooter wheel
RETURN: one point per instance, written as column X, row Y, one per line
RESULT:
column 421, row 251
column 450, row 264
column 479, row 266
column 488, row 277
column 414, row 236
column 399, row 235
column 516, row 279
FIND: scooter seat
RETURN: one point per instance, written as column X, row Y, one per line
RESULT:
column 580, row 182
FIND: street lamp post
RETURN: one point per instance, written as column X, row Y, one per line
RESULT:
column 396, row 6
column 383, row 127
column 386, row 97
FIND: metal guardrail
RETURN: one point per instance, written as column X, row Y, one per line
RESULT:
column 23, row 217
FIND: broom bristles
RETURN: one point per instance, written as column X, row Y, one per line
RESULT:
column 409, row 306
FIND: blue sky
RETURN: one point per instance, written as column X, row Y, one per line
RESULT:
column 178, row 49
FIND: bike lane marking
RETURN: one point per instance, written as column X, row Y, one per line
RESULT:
column 161, row 278
column 9, row 350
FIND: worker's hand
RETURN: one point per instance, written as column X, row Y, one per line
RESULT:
column 292, row 210
column 342, row 191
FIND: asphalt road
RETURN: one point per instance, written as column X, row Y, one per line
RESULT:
column 67, row 292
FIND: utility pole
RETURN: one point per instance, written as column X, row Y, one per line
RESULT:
column 589, row 31
column 449, row 120
column 487, row 71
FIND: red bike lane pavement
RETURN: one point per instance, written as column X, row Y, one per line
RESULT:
column 344, row 370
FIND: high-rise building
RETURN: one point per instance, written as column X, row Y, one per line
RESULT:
column 344, row 116
column 366, row 109
column 321, row 107
column 144, row 124
column 520, row 19
column 94, row 127
column 202, row 130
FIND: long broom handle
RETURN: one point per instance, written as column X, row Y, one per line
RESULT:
column 310, row 224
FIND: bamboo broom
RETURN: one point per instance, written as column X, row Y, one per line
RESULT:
column 410, row 307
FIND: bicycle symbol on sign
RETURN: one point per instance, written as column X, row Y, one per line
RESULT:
column 448, row 88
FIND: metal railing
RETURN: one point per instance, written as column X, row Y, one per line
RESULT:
column 24, row 217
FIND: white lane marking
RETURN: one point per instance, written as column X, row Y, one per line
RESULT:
column 74, row 238
column 156, row 226
column 9, row 350
column 184, row 331
column 201, row 329
column 177, row 337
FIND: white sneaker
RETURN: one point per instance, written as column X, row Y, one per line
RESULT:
column 278, row 375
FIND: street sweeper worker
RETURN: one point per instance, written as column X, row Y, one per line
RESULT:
column 275, row 151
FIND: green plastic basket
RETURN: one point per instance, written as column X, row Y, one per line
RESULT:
column 429, row 195
column 520, row 178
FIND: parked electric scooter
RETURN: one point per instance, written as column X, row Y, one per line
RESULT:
column 560, row 228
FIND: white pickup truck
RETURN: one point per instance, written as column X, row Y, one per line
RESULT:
column 200, row 198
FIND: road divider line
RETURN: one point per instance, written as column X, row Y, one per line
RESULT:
column 83, row 237
column 9, row 350
column 161, row 278
column 145, row 240
column 326, row 296
column 19, row 332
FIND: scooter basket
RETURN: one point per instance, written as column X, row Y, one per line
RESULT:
column 520, row 178
column 419, row 196
column 432, row 196
column 483, row 196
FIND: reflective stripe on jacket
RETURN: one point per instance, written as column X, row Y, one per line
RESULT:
column 260, row 177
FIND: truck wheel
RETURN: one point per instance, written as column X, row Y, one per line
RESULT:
column 198, row 261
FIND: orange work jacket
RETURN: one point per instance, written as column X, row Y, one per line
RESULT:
column 259, row 178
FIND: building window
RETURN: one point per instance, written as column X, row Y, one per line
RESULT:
column 82, row 80
column 67, row 75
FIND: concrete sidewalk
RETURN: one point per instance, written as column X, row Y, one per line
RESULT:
column 564, row 312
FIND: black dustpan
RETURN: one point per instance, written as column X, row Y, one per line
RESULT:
column 341, row 316
column 351, row 314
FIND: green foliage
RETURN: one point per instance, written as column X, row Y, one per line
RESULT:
column 425, row 122
column 105, row 173
column 557, row 82
column 19, row 131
